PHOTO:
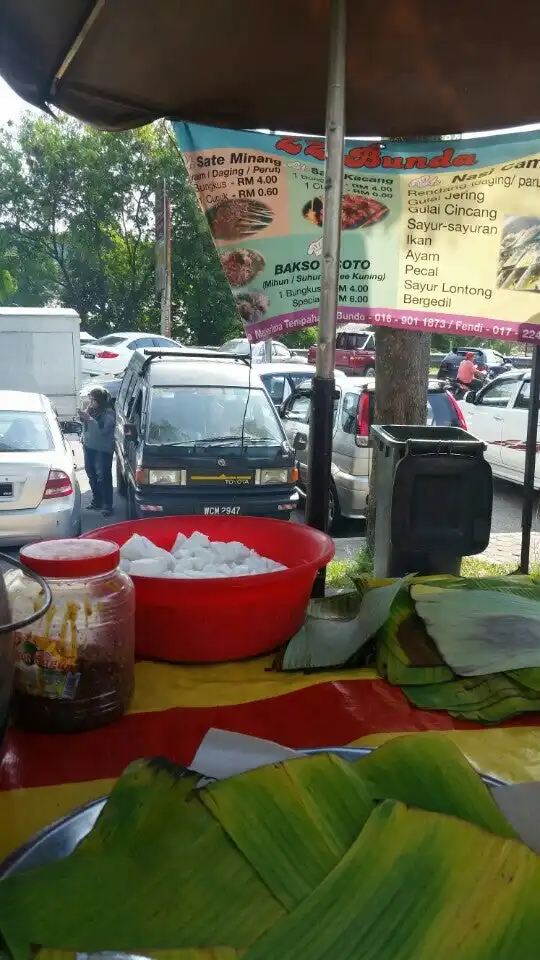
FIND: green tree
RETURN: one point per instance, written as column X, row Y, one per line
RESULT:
column 7, row 285
column 77, row 217
column 301, row 339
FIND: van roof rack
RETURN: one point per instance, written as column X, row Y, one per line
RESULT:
column 155, row 353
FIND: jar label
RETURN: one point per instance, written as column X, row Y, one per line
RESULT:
column 43, row 670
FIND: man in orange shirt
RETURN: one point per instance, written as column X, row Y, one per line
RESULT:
column 467, row 373
column 467, row 369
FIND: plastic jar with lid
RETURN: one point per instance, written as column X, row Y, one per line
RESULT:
column 74, row 666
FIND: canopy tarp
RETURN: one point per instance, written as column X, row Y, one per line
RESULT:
column 414, row 67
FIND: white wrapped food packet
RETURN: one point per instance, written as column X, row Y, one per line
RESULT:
column 140, row 548
column 195, row 557
column 179, row 543
column 149, row 567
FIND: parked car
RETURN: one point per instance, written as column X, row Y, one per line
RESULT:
column 488, row 361
column 112, row 384
column 519, row 361
column 242, row 348
column 498, row 415
column 111, row 354
column 351, row 449
column 282, row 379
column 39, row 493
column 86, row 338
column 200, row 435
column 355, row 350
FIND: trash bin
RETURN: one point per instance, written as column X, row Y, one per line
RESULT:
column 434, row 496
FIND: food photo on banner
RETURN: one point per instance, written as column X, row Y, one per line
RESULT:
column 438, row 236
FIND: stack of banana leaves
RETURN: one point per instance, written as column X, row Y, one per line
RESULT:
column 403, row 855
column 470, row 647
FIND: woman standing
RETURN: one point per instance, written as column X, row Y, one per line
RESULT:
column 98, row 422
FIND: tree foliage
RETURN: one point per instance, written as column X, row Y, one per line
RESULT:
column 7, row 285
column 77, row 224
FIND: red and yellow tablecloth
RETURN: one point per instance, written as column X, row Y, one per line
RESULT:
column 44, row 777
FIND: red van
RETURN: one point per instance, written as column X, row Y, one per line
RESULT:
column 355, row 350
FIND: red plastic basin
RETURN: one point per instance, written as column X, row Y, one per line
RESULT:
column 224, row 619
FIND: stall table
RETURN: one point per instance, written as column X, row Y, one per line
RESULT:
column 43, row 777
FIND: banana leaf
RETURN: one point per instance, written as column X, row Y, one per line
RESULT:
column 365, row 582
column 417, row 886
column 528, row 678
column 327, row 634
column 120, row 890
column 305, row 813
column 428, row 771
column 405, row 654
column 337, row 629
column 220, row 953
column 495, row 713
column 402, row 607
column 209, row 874
column 481, row 699
column 309, row 811
column 468, row 692
column 392, row 669
column 518, row 584
column 480, row 632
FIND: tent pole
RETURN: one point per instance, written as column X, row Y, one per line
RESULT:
column 322, row 398
column 530, row 463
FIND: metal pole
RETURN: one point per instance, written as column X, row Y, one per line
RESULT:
column 166, row 292
column 530, row 463
column 268, row 351
column 322, row 399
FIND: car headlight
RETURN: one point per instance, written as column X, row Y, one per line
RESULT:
column 280, row 475
column 164, row 477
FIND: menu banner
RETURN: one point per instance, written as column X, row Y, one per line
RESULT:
column 436, row 236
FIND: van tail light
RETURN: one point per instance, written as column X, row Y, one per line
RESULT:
column 58, row 485
column 458, row 411
column 106, row 355
column 362, row 420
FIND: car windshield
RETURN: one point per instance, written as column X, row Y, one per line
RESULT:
column 22, row 432
column 187, row 415
column 236, row 346
column 110, row 340
column 441, row 412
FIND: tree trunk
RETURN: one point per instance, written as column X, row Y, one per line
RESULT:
column 402, row 371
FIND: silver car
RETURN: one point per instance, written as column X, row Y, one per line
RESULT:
column 351, row 446
column 40, row 497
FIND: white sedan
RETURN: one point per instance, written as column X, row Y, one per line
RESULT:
column 111, row 354
column 241, row 347
column 498, row 415
column 39, row 494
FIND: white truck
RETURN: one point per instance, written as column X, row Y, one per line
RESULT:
column 40, row 352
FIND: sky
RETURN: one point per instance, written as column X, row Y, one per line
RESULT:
column 11, row 107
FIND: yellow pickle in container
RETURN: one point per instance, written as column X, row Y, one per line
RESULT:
column 73, row 666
